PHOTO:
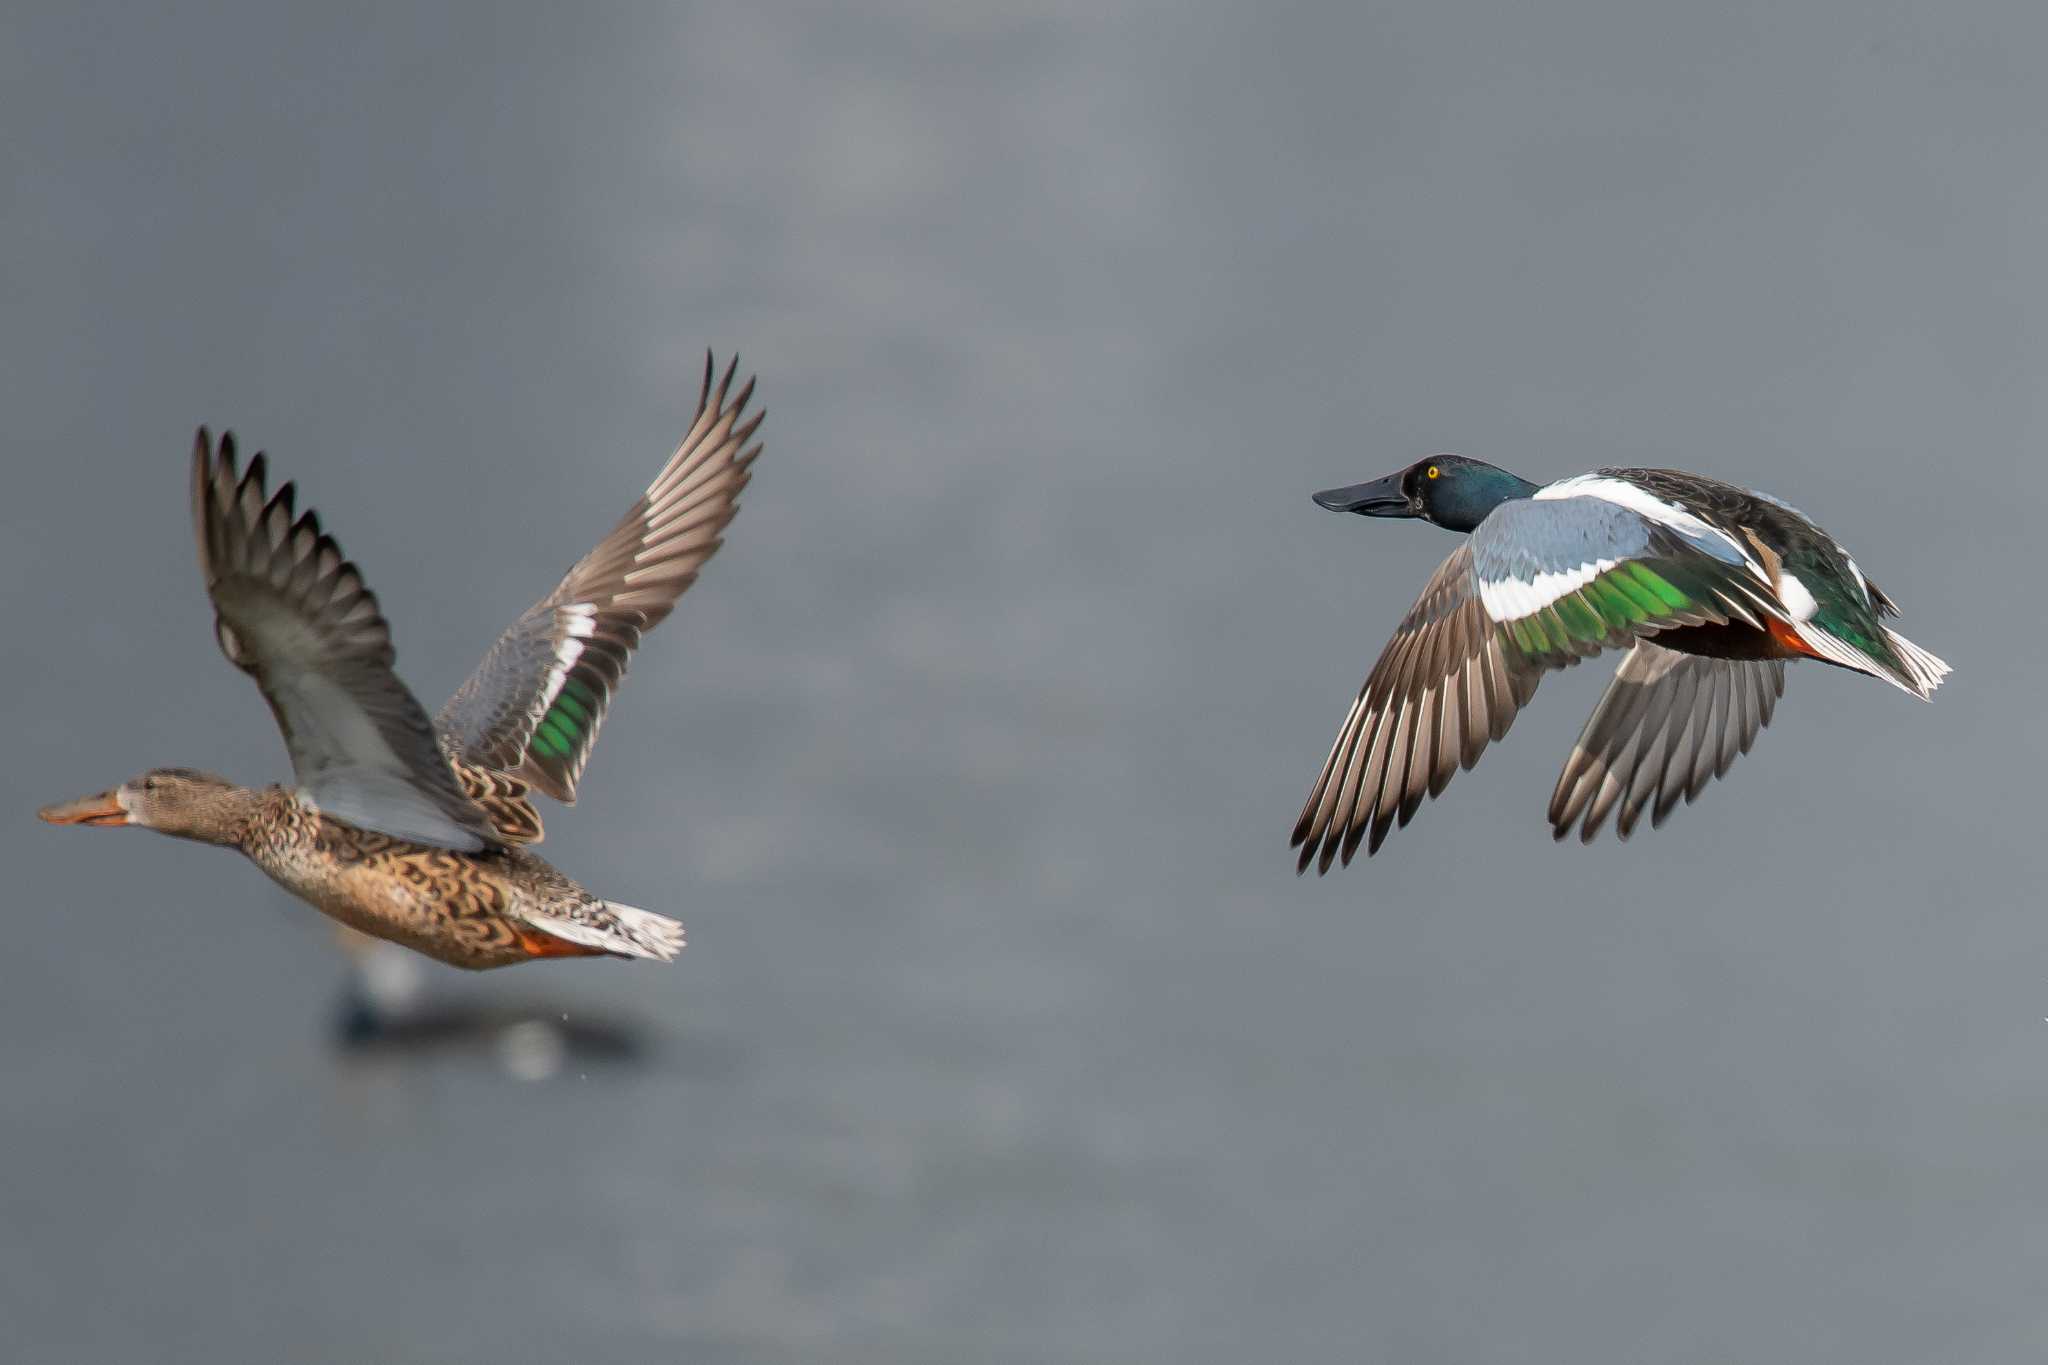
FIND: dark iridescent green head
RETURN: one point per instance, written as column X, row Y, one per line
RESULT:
column 1450, row 490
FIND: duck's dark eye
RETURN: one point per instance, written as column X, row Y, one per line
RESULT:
column 149, row 784
column 1433, row 471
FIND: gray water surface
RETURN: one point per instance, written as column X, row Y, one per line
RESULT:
column 1006, row 1032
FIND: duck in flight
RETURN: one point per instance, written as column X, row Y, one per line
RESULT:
column 414, row 829
column 1710, row 588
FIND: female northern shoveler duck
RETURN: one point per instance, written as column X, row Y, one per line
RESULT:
column 408, row 828
column 1710, row 588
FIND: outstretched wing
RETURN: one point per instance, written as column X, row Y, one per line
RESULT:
column 292, row 612
column 1540, row 585
column 533, row 706
column 1447, row 682
column 1667, row 724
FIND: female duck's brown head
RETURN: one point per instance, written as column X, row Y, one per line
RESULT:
column 177, row 801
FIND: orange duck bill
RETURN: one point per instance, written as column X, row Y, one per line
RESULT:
column 104, row 809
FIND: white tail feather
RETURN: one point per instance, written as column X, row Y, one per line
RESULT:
column 624, row 930
column 1927, row 670
column 1924, row 672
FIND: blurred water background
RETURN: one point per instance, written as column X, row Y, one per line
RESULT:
column 1006, row 1032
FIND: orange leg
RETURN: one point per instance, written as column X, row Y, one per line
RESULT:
column 534, row 943
column 1789, row 640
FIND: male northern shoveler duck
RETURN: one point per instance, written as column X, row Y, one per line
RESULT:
column 408, row 828
column 1711, row 588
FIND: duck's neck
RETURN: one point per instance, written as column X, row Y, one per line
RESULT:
column 1477, row 490
column 227, row 817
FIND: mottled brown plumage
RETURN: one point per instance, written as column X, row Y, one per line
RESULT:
column 472, row 910
column 397, row 826
column 503, row 800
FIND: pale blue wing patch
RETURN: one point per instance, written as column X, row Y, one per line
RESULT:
column 1617, row 492
column 1530, row 553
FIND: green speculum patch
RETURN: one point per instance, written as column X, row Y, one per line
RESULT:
column 1670, row 596
column 1581, row 620
column 1530, row 635
column 560, row 730
column 1638, row 595
column 1614, row 606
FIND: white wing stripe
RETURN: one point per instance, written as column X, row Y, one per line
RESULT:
column 1510, row 599
column 1646, row 504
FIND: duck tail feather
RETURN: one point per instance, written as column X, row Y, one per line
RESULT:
column 1911, row 669
column 1923, row 667
column 621, row 930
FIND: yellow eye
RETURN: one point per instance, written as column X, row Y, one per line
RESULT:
column 1432, row 471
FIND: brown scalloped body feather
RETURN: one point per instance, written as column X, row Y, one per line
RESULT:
column 464, row 909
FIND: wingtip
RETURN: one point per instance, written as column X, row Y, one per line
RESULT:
column 725, row 382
